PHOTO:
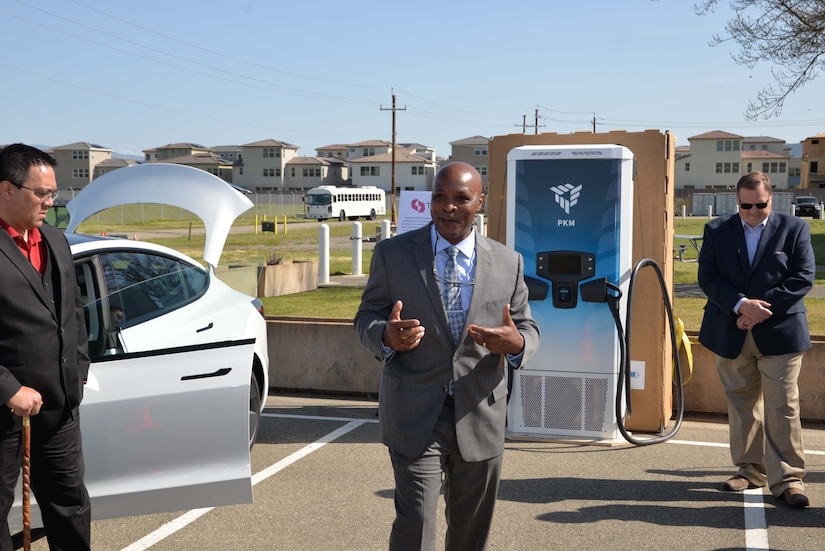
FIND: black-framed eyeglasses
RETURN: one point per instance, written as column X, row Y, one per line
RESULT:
column 749, row 206
column 42, row 195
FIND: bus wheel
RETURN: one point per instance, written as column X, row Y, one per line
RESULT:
column 372, row 214
column 342, row 216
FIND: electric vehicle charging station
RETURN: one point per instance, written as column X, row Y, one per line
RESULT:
column 570, row 215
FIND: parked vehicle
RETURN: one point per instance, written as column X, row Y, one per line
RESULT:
column 807, row 206
column 345, row 203
column 179, row 371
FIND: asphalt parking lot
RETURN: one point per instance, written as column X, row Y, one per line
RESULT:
column 322, row 481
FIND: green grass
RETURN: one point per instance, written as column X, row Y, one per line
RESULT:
column 328, row 302
column 301, row 243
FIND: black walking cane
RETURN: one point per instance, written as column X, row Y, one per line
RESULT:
column 27, row 506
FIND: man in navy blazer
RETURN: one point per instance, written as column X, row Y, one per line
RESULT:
column 755, row 268
column 442, row 401
column 43, row 352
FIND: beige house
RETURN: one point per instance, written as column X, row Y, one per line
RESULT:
column 104, row 167
column 76, row 163
column 262, row 165
column 310, row 172
column 368, row 148
column 716, row 160
column 415, row 167
column 172, row 150
column 334, row 150
column 206, row 161
column 813, row 162
column 472, row 151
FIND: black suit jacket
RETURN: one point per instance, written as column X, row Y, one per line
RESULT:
column 782, row 273
column 43, row 340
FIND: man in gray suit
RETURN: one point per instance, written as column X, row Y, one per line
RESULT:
column 443, row 324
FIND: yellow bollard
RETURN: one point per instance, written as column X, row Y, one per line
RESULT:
column 284, row 224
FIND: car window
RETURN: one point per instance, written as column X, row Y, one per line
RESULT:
column 102, row 335
column 142, row 286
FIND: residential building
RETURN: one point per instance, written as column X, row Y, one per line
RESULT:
column 813, row 162
column 206, row 161
column 473, row 151
column 368, row 149
column 229, row 152
column 173, row 150
column 716, row 160
column 310, row 172
column 109, row 165
column 262, row 165
column 76, row 163
column 415, row 167
column 334, row 150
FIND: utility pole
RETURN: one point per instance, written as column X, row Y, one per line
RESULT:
column 525, row 126
column 393, row 215
column 594, row 123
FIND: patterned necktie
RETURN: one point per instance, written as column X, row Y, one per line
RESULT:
column 451, row 294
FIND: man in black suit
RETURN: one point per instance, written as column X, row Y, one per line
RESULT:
column 43, row 352
column 755, row 268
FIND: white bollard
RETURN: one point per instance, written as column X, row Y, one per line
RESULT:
column 480, row 227
column 357, row 245
column 386, row 226
column 710, row 211
column 684, row 211
column 323, row 253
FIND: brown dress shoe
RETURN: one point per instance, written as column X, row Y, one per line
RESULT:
column 795, row 497
column 737, row 483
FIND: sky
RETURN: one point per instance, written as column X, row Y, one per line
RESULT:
column 136, row 74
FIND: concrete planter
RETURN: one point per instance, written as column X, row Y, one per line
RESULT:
column 287, row 278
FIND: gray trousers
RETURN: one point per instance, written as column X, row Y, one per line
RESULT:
column 469, row 489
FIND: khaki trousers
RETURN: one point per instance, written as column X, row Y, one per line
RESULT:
column 763, row 416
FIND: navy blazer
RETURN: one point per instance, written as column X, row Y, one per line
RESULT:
column 43, row 339
column 782, row 273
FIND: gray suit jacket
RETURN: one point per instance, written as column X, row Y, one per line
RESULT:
column 413, row 384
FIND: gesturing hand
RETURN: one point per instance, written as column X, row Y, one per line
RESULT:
column 504, row 339
column 402, row 335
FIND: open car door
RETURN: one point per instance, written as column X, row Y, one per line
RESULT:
column 165, row 430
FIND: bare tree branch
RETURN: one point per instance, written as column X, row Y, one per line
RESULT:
column 787, row 34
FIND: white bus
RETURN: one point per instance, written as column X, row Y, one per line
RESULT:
column 345, row 203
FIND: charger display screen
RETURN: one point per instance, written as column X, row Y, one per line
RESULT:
column 564, row 264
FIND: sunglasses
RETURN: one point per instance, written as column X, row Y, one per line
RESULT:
column 749, row 206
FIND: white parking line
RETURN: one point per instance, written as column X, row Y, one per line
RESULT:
column 191, row 516
column 756, row 528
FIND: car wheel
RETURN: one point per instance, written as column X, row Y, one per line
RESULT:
column 254, row 410
column 342, row 216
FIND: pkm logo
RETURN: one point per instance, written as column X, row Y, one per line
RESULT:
column 567, row 195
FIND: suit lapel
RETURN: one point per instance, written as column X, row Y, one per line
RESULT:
column 425, row 264
column 741, row 247
column 484, row 265
column 767, row 234
column 20, row 263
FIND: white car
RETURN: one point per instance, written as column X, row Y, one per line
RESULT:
column 179, row 371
